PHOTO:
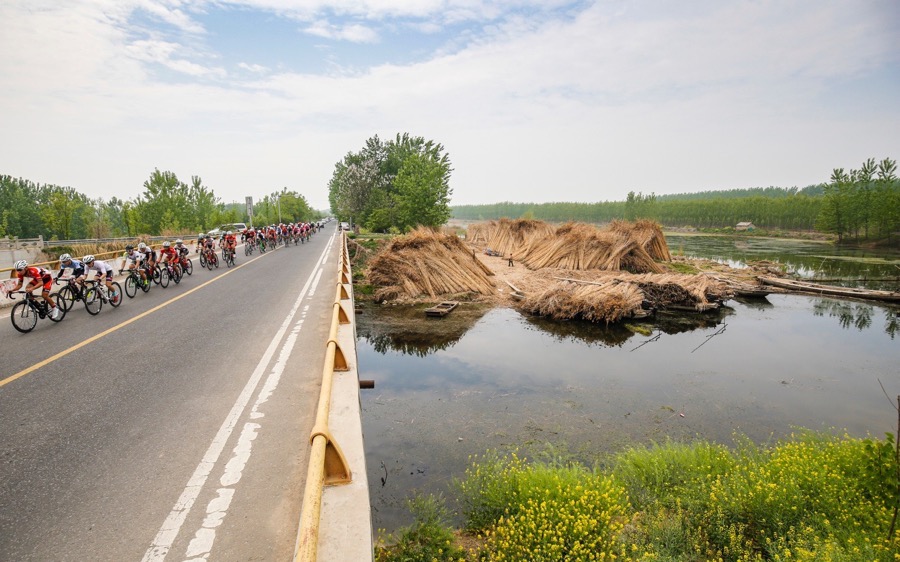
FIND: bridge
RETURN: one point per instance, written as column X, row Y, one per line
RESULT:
column 216, row 419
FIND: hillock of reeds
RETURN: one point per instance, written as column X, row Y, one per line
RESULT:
column 426, row 262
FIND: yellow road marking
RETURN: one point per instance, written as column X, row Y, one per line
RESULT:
column 105, row 333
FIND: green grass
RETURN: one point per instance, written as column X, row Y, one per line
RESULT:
column 813, row 496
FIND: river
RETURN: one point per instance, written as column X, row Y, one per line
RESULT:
column 485, row 378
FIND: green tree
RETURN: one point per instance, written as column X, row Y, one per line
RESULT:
column 62, row 211
column 423, row 191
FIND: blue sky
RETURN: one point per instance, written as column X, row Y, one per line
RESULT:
column 533, row 100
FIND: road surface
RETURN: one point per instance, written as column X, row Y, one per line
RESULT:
column 174, row 427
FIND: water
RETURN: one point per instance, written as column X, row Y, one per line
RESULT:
column 484, row 379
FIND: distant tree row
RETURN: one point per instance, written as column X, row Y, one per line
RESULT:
column 863, row 203
column 795, row 212
column 167, row 205
column 393, row 186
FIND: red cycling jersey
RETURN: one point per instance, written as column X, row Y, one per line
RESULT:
column 37, row 273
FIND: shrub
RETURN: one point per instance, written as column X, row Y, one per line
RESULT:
column 429, row 539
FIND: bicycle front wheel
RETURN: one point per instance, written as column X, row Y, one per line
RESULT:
column 131, row 286
column 66, row 298
column 92, row 301
column 202, row 259
column 62, row 311
column 115, row 301
column 188, row 266
column 176, row 273
column 164, row 277
column 24, row 317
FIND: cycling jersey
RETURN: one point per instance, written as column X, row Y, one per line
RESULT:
column 135, row 256
column 77, row 267
column 37, row 274
column 149, row 254
column 102, row 268
column 230, row 240
column 168, row 252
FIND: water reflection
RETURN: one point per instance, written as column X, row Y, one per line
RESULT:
column 858, row 315
column 509, row 380
column 875, row 269
column 406, row 329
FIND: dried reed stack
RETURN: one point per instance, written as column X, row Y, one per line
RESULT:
column 581, row 246
column 603, row 302
column 427, row 262
column 508, row 236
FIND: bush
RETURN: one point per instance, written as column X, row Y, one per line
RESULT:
column 429, row 539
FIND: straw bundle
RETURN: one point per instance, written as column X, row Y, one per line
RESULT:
column 647, row 234
column 508, row 236
column 427, row 262
column 606, row 302
column 581, row 246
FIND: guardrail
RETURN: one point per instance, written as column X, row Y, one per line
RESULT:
column 327, row 463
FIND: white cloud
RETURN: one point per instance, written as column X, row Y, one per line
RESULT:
column 538, row 107
column 355, row 33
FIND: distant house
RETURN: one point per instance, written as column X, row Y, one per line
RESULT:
column 744, row 226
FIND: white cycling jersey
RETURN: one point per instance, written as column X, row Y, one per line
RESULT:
column 135, row 256
column 100, row 267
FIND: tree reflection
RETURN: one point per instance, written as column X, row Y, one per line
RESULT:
column 406, row 329
column 857, row 314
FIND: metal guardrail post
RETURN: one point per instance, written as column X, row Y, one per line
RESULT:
column 327, row 464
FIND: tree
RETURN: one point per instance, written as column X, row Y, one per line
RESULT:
column 366, row 186
column 62, row 212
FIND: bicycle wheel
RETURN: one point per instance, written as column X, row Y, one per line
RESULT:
column 164, row 277
column 24, row 317
column 176, row 273
column 66, row 298
column 157, row 273
column 202, row 259
column 62, row 311
column 215, row 261
column 188, row 266
column 92, row 301
column 131, row 286
column 115, row 301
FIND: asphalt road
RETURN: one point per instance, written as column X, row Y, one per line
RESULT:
column 174, row 427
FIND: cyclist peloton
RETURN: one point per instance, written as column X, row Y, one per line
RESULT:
column 103, row 269
column 40, row 277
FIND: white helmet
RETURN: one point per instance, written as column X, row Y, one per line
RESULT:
column 65, row 257
column 229, row 233
column 141, row 246
column 166, row 244
column 179, row 241
column 20, row 265
column 88, row 259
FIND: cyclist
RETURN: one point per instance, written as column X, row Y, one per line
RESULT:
column 168, row 254
column 230, row 243
column 77, row 267
column 182, row 252
column 209, row 246
column 103, row 269
column 136, row 257
column 40, row 277
column 149, row 256
column 199, row 243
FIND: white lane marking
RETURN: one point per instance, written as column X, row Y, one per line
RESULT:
column 202, row 543
column 167, row 533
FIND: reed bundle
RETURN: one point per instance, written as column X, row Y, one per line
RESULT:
column 427, row 262
column 508, row 236
column 603, row 302
column 580, row 246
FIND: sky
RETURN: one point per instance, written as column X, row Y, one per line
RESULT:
column 532, row 100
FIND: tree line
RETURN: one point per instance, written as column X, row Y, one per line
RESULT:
column 862, row 203
column 394, row 185
column 166, row 205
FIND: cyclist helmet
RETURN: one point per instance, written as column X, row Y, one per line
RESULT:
column 166, row 244
column 141, row 246
column 129, row 248
column 20, row 265
column 229, row 233
column 88, row 259
column 200, row 235
column 65, row 257
column 179, row 241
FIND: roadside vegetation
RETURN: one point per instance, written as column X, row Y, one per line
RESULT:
column 813, row 496
column 166, row 206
